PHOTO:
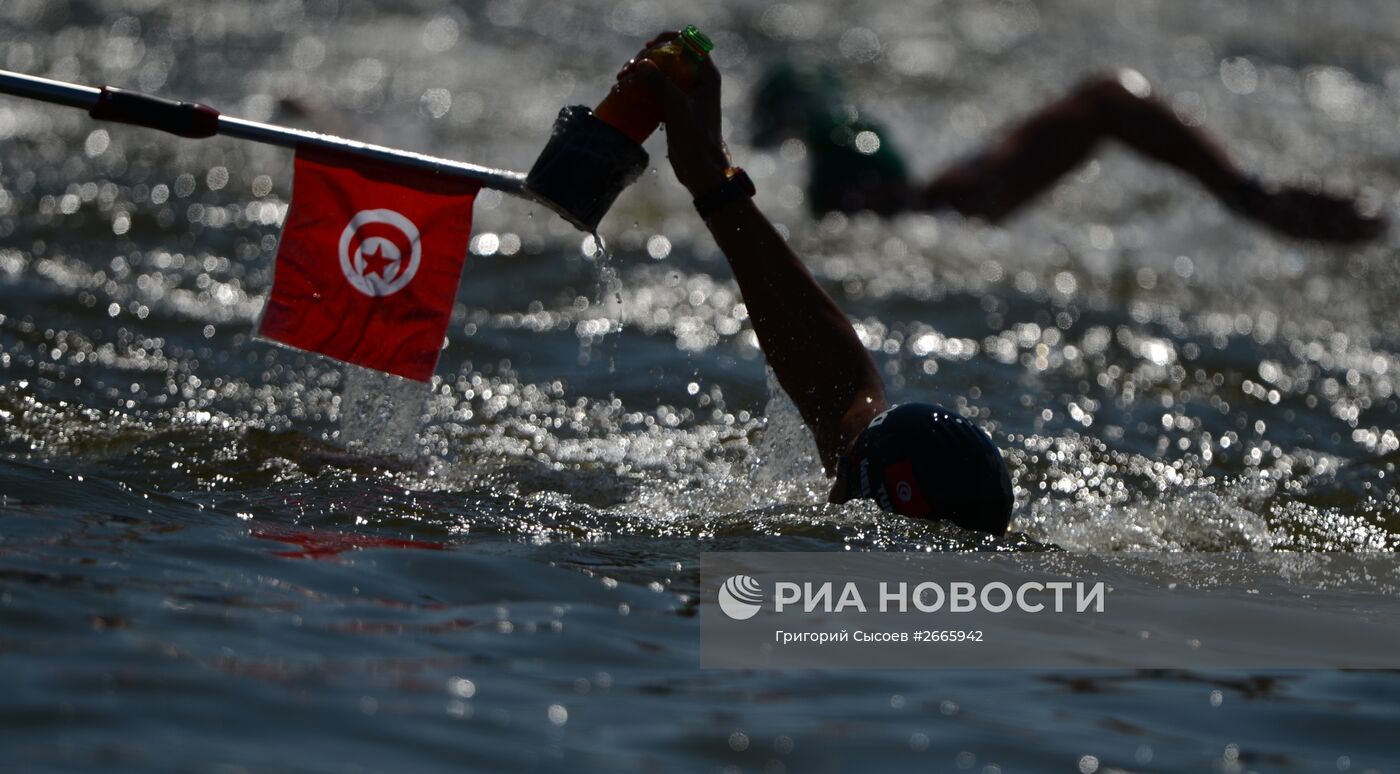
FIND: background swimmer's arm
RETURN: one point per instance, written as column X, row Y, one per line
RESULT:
column 808, row 341
column 1054, row 140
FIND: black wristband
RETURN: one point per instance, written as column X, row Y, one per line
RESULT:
column 737, row 186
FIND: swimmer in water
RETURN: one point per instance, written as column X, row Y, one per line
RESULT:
column 854, row 166
column 919, row 459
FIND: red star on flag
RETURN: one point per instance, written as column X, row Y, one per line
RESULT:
column 376, row 262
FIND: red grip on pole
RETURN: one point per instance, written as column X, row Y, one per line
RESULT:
column 186, row 119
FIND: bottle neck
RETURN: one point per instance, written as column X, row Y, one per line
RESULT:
column 694, row 50
column 696, row 42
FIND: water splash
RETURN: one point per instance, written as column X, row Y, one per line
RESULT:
column 607, row 300
column 380, row 413
column 785, row 454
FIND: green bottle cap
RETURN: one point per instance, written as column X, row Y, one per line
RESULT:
column 697, row 41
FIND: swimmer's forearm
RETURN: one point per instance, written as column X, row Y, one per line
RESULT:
column 811, row 346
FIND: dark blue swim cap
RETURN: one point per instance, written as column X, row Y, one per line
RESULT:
column 926, row 462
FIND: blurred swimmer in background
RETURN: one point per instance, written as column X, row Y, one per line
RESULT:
column 854, row 166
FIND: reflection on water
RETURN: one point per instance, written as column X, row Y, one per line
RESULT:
column 515, row 581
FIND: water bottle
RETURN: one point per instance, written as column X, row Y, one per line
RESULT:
column 630, row 107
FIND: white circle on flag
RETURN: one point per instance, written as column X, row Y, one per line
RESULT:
column 376, row 267
column 904, row 492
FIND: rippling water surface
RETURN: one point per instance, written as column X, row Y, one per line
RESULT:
column 193, row 572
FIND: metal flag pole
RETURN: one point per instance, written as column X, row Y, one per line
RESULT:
column 189, row 119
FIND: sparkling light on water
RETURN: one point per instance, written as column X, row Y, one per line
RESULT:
column 1161, row 375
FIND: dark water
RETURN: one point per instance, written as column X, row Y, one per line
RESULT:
column 193, row 576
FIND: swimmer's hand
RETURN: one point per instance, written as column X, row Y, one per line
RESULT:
column 1307, row 214
column 693, row 140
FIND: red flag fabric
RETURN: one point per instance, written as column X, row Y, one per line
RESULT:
column 369, row 262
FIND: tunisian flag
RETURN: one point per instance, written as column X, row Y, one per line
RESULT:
column 369, row 262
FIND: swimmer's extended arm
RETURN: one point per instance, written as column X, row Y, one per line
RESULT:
column 1054, row 140
column 810, row 344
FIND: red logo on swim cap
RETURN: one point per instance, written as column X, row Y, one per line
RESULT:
column 904, row 490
